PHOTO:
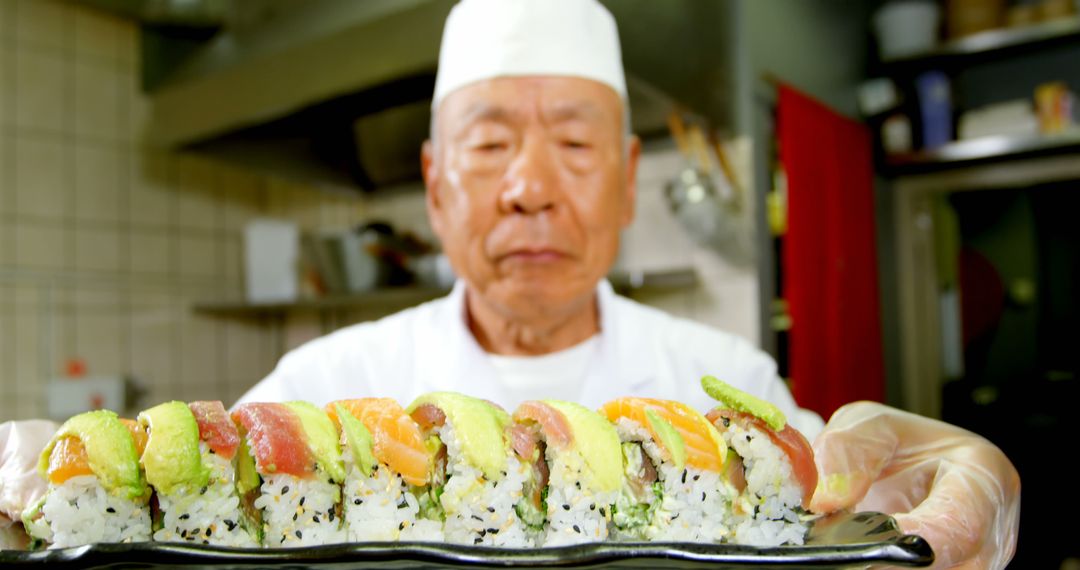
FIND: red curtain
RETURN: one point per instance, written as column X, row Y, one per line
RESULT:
column 829, row 263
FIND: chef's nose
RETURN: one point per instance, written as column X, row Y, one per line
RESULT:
column 531, row 186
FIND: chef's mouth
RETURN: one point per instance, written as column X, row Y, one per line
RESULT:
column 534, row 256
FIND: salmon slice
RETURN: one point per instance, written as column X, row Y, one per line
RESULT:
column 68, row 459
column 396, row 438
column 216, row 428
column 704, row 448
column 276, row 438
column 790, row 441
column 556, row 429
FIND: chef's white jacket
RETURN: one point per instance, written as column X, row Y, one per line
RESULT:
column 642, row 352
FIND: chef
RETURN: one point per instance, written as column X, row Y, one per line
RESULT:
column 530, row 175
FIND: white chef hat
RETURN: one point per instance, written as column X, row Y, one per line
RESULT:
column 498, row 38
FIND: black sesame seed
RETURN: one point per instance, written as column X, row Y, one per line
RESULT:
column 748, row 438
column 315, row 519
column 592, row 507
column 482, row 533
column 202, row 491
column 478, row 518
column 196, row 532
column 185, row 517
column 230, row 524
column 401, row 527
column 284, row 489
column 208, row 533
column 696, row 477
column 493, row 531
column 110, row 510
column 602, row 513
column 675, row 516
column 299, row 534
column 703, row 496
column 577, row 529
column 330, row 515
column 282, row 539
column 578, row 484
column 302, row 499
column 183, row 534
column 684, row 476
column 295, row 516
column 478, row 541
column 206, row 542
column 727, row 422
column 212, row 452
column 566, row 507
column 491, row 509
column 357, row 501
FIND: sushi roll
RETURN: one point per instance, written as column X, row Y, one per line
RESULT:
column 575, row 473
column 189, row 460
column 673, row 459
column 770, row 468
column 97, row 492
column 296, row 456
column 387, row 472
column 476, row 481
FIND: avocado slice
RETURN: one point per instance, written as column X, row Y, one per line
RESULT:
column 110, row 451
column 247, row 477
column 669, row 436
column 322, row 438
column 358, row 437
column 596, row 440
column 479, row 427
column 735, row 399
column 171, row 458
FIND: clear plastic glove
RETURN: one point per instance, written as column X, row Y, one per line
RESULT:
column 20, row 485
column 950, row 486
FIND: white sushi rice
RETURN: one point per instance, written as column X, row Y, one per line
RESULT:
column 205, row 515
column 381, row 507
column 80, row 511
column 575, row 512
column 299, row 512
column 765, row 513
column 695, row 502
column 480, row 511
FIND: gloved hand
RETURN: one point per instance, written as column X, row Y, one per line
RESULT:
column 948, row 485
column 20, row 445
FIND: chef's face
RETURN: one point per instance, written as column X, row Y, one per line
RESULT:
column 529, row 182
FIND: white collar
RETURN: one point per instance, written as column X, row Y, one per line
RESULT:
column 461, row 357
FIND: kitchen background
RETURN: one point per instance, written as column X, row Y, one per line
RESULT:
column 142, row 142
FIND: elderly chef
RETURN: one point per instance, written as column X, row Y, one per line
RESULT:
column 530, row 175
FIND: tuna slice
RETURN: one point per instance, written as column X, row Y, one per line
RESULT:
column 276, row 439
column 216, row 428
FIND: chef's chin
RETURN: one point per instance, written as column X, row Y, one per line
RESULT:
column 542, row 294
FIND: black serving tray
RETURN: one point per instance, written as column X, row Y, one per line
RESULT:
column 838, row 541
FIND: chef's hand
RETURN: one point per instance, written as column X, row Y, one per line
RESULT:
column 948, row 485
column 20, row 445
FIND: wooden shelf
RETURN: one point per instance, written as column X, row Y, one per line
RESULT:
column 395, row 298
column 985, row 149
column 993, row 43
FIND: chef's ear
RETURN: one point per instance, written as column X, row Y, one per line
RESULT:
column 633, row 153
column 430, row 171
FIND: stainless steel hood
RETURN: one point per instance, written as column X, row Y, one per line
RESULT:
column 338, row 91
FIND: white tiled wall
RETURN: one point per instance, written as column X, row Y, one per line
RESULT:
column 105, row 244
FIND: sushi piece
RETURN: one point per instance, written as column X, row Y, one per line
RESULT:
column 576, row 470
column 97, row 492
column 387, row 471
column 476, row 481
column 770, row 468
column 673, row 459
column 296, row 456
column 189, row 460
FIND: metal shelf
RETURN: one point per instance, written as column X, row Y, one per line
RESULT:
column 993, row 42
column 393, row 298
column 983, row 149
